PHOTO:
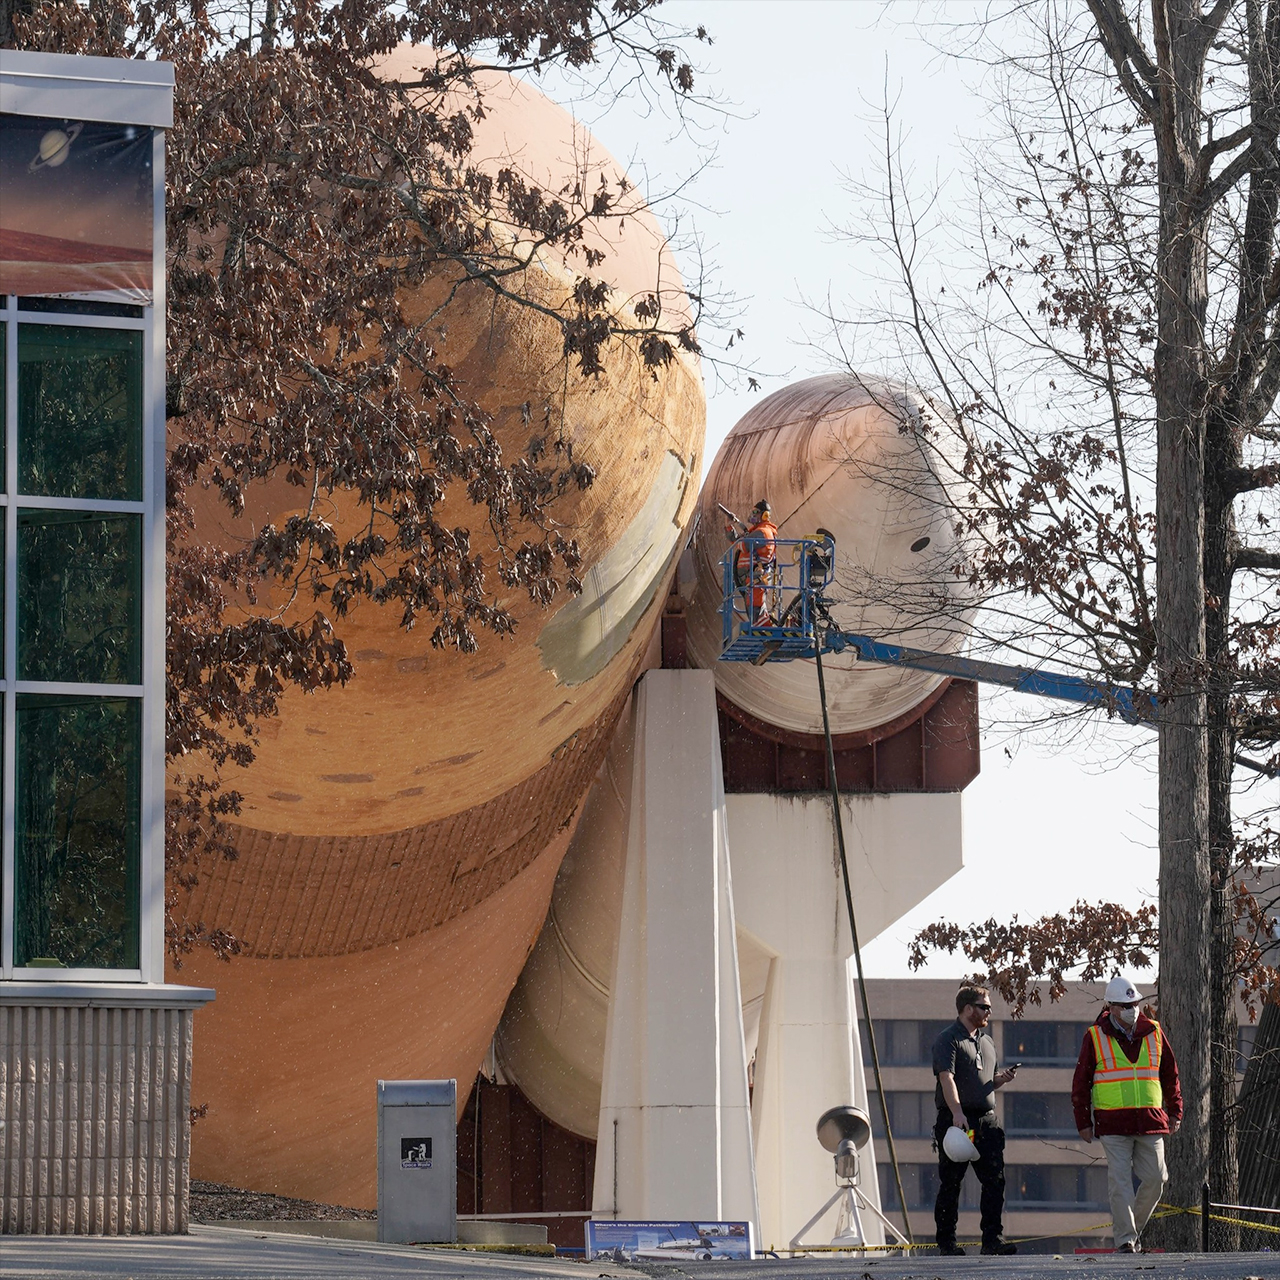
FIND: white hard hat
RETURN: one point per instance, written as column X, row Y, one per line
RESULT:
column 958, row 1146
column 1122, row 991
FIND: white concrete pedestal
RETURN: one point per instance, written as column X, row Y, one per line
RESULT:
column 675, row 1124
column 796, row 954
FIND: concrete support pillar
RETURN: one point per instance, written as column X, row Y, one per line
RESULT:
column 675, row 1125
column 790, row 910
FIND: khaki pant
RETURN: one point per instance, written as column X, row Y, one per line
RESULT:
column 1140, row 1154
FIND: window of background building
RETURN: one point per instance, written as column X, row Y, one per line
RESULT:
column 1245, row 1038
column 1043, row 1044
column 920, row 1183
column 902, row 1042
column 72, row 495
column 911, row 1114
column 1039, row 1115
column 1055, row 1186
column 1028, row 1187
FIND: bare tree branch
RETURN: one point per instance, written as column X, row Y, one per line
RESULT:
column 1134, row 66
column 1257, row 558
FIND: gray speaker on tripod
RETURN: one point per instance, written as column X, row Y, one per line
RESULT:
column 844, row 1131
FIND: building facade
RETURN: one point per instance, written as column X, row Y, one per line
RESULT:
column 95, row 1047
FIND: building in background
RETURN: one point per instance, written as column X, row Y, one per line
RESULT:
column 95, row 1047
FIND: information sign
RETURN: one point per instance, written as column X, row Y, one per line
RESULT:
column 669, row 1241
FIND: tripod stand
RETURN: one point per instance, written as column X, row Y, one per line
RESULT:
column 849, row 1234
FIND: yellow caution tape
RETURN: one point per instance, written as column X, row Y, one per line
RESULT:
column 1170, row 1210
column 1162, row 1211
column 1241, row 1222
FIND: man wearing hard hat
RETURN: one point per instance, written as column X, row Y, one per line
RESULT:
column 755, row 560
column 1125, row 1094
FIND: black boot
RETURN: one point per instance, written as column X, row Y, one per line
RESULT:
column 999, row 1247
column 950, row 1249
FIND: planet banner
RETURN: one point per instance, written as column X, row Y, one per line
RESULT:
column 668, row 1241
column 76, row 209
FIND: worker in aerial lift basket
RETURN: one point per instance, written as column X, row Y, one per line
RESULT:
column 755, row 560
column 964, row 1062
column 1126, row 1075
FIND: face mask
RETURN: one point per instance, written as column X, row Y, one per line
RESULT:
column 1127, row 1016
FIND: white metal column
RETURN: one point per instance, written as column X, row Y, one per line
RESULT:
column 675, row 1122
column 789, row 901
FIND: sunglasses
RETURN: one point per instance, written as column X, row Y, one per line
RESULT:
column 985, row 1007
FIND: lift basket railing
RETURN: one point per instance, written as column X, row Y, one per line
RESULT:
column 769, row 599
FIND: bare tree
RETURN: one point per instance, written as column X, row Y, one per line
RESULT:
column 1112, row 380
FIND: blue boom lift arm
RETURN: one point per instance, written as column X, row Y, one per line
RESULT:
column 795, row 618
column 1132, row 705
column 792, row 578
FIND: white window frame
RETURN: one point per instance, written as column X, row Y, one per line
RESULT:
column 37, row 84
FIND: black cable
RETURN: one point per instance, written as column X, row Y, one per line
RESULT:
column 853, row 930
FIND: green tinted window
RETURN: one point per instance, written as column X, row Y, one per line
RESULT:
column 76, row 846
column 79, row 412
column 79, row 597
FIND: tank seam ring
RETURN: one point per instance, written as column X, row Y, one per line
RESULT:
column 591, row 979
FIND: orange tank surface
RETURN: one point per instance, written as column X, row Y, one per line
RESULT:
column 400, row 835
column 288, row 1054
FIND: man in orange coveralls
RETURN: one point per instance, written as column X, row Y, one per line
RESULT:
column 758, row 548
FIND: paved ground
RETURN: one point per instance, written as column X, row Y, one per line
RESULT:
column 217, row 1253
column 1237, row 1266
column 222, row 1253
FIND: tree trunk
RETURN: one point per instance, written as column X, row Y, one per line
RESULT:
column 10, row 9
column 1232, row 416
column 1222, row 456
column 1260, row 1116
column 1181, row 398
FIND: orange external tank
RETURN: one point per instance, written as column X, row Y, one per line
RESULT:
column 400, row 835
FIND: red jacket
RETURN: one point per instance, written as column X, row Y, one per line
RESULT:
column 1152, row 1120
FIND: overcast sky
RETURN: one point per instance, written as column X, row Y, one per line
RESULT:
column 1053, row 816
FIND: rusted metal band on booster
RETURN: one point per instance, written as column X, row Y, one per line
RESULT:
column 292, row 896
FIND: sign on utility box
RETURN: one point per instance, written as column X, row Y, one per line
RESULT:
column 417, row 1165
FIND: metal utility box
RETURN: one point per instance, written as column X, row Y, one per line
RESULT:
column 417, row 1161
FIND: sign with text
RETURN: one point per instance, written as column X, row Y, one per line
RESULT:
column 669, row 1241
column 415, row 1153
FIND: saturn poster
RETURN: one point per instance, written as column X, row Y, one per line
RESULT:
column 76, row 208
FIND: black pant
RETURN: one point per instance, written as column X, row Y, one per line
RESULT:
column 988, row 1137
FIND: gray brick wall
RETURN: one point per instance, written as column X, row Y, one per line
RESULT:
column 95, row 1134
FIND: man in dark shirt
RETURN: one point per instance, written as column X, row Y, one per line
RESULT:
column 964, row 1062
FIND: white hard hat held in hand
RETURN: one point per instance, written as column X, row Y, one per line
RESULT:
column 958, row 1146
column 1122, row 991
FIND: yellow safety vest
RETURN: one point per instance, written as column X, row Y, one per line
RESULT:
column 1119, row 1083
